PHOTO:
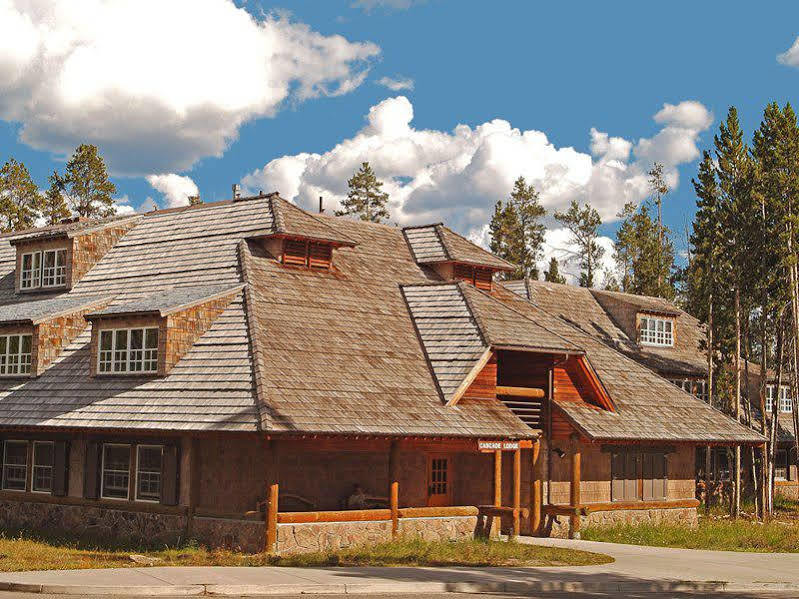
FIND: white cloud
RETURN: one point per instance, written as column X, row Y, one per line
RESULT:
column 175, row 188
column 557, row 244
column 396, row 83
column 791, row 56
column 159, row 85
column 457, row 176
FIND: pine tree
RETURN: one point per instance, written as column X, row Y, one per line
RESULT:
column 20, row 201
column 553, row 273
column 658, row 188
column 54, row 207
column 85, row 184
column 583, row 223
column 530, row 232
column 365, row 198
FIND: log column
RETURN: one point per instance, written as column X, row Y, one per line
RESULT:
column 393, row 487
column 273, row 492
column 535, row 491
column 574, row 528
column 708, row 466
column 517, row 491
column 498, row 478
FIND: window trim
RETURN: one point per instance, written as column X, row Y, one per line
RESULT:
column 19, row 355
column 37, row 282
column 782, row 397
column 136, row 481
column 5, row 453
column 102, row 471
column 113, row 350
column 51, row 466
column 653, row 342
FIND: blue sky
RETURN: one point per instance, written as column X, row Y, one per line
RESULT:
column 205, row 91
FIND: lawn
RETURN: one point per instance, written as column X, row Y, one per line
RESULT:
column 31, row 552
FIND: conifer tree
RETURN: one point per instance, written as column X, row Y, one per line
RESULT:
column 583, row 223
column 20, row 200
column 85, row 184
column 54, row 207
column 365, row 198
column 530, row 230
column 552, row 274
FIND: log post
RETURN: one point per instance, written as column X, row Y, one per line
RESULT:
column 535, row 492
column 271, row 518
column 498, row 478
column 393, row 487
column 708, row 467
column 517, row 491
column 574, row 529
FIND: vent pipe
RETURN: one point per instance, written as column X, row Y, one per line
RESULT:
column 236, row 191
column 321, row 205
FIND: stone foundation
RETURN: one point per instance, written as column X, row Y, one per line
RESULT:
column 787, row 489
column 238, row 535
column 327, row 536
column 558, row 526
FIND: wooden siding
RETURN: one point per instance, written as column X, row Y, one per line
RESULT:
column 484, row 386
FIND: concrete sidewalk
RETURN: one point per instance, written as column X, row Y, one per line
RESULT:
column 637, row 569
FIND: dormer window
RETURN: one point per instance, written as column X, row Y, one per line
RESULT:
column 311, row 254
column 43, row 269
column 656, row 331
column 128, row 351
column 482, row 278
column 15, row 354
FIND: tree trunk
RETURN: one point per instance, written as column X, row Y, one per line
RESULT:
column 736, row 503
column 774, row 419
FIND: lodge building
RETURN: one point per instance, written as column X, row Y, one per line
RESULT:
column 238, row 372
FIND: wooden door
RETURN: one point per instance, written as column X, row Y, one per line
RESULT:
column 439, row 480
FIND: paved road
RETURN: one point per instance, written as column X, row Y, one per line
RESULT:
column 777, row 595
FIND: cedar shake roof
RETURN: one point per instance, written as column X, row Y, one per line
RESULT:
column 648, row 407
column 67, row 229
column 34, row 312
column 290, row 221
column 165, row 302
column 432, row 244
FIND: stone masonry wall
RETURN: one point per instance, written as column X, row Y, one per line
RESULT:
column 52, row 336
column 558, row 526
column 88, row 249
column 238, row 535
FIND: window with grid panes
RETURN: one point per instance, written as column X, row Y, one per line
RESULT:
column 128, row 350
column 656, row 331
column 42, row 466
column 785, row 404
column 44, row 269
column 148, row 472
column 115, row 480
column 15, row 465
column 15, row 355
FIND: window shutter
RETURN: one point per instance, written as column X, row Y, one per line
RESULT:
column 169, row 475
column 631, row 476
column 295, row 252
column 617, row 476
column 60, row 468
column 483, row 279
column 320, row 255
column 648, row 474
column 91, row 475
column 660, row 479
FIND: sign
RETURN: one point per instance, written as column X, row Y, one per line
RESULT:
column 491, row 446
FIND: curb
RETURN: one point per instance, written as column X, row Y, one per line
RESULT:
column 368, row 588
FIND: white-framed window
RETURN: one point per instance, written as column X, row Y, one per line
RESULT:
column 15, row 354
column 15, row 465
column 148, row 472
column 128, row 350
column 785, row 403
column 44, row 269
column 657, row 331
column 43, row 466
column 696, row 387
column 115, row 479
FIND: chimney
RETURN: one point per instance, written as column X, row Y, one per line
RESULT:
column 236, row 191
column 321, row 205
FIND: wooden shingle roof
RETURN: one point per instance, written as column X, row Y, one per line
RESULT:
column 432, row 244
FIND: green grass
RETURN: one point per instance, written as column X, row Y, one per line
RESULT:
column 29, row 551
column 722, row 535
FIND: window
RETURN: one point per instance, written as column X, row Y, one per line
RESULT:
column 15, row 354
column 696, row 387
column 298, row 252
column 44, row 269
column 781, row 465
column 656, row 331
column 115, row 471
column 128, row 350
column 148, row 472
column 638, row 476
column 42, row 466
column 15, row 465
column 785, row 403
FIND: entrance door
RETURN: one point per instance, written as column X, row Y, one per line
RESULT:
column 439, row 480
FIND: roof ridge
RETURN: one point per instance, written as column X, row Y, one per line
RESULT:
column 444, row 246
column 422, row 226
column 279, row 204
column 481, row 328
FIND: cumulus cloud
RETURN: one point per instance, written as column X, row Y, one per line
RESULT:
column 396, row 83
column 176, row 189
column 159, row 85
column 457, row 176
column 791, row 56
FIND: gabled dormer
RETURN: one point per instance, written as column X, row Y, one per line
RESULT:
column 453, row 257
column 298, row 239
column 55, row 258
column 148, row 336
column 650, row 321
column 33, row 333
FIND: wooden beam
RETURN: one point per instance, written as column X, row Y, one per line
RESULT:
column 708, row 467
column 574, row 490
column 271, row 518
column 498, row 478
column 393, row 487
column 595, row 383
column 484, row 359
column 517, row 491
column 532, row 392
column 535, row 492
